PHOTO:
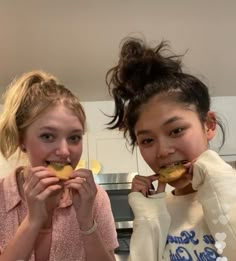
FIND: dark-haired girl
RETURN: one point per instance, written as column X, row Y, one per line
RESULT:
column 166, row 113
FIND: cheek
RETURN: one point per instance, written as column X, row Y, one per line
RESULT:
column 36, row 156
column 148, row 155
column 76, row 151
column 193, row 145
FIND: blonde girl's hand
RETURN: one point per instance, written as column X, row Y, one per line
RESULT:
column 84, row 192
column 41, row 188
column 144, row 184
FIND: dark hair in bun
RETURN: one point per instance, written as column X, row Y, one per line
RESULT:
column 143, row 72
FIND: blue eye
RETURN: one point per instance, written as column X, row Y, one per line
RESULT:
column 46, row 137
column 75, row 138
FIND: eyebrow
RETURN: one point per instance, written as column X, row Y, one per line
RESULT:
column 172, row 119
column 55, row 129
column 169, row 121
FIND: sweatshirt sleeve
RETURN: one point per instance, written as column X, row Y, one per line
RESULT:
column 151, row 226
column 215, row 181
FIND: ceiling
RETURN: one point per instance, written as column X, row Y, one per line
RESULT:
column 78, row 40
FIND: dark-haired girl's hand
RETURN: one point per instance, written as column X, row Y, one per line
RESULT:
column 189, row 167
column 84, row 192
column 144, row 185
column 42, row 191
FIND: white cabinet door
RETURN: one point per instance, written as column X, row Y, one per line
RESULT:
column 97, row 114
column 110, row 149
column 225, row 108
column 84, row 157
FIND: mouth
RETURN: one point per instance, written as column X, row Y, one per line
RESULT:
column 176, row 163
column 58, row 164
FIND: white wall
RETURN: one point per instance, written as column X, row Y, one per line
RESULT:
column 80, row 41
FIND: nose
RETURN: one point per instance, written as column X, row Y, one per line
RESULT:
column 63, row 149
column 164, row 148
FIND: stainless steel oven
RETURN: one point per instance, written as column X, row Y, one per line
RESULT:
column 118, row 187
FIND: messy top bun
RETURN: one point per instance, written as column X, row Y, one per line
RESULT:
column 143, row 72
column 138, row 66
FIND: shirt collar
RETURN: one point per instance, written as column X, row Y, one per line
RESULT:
column 12, row 194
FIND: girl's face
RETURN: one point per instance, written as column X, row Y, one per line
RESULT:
column 56, row 136
column 168, row 132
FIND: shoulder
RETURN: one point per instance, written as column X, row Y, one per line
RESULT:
column 209, row 162
column 1, row 190
column 5, row 186
column 102, row 204
column 9, row 192
column 101, row 194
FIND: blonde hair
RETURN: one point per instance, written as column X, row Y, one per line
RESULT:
column 24, row 101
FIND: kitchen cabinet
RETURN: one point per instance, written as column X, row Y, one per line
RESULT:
column 224, row 107
column 108, row 147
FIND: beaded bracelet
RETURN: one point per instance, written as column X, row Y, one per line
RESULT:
column 89, row 231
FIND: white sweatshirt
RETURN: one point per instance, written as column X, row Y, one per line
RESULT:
column 198, row 226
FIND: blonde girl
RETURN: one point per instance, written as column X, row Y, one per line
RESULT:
column 41, row 217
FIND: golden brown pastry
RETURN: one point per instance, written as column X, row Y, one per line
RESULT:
column 171, row 173
column 62, row 172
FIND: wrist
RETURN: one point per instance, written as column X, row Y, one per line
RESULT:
column 90, row 230
column 86, row 224
column 32, row 225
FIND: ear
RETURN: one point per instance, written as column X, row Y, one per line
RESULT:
column 210, row 125
column 23, row 148
column 22, row 145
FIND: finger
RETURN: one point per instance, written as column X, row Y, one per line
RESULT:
column 36, row 174
column 43, row 184
column 78, row 188
column 83, row 173
column 142, row 180
column 139, row 187
column 78, row 180
column 88, row 184
column 161, row 187
column 189, row 175
column 139, row 184
column 48, row 192
column 153, row 177
column 144, row 192
column 81, row 184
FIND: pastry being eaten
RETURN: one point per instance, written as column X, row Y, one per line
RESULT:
column 62, row 171
column 172, row 172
